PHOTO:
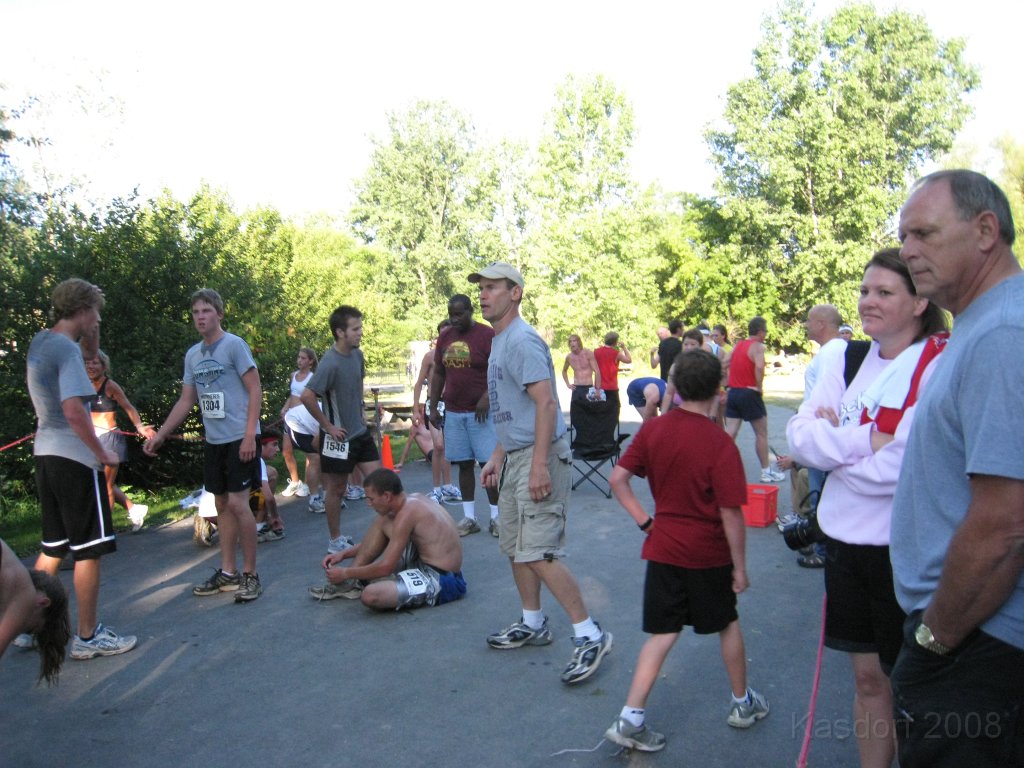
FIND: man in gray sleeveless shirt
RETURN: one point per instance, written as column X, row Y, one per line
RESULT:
column 345, row 439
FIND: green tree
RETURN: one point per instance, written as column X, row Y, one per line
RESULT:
column 821, row 142
column 591, row 254
column 429, row 199
column 330, row 268
column 1011, row 179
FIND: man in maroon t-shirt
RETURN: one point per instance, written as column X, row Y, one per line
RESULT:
column 459, row 379
column 695, row 547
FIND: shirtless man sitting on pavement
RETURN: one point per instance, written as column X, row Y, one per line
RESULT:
column 411, row 555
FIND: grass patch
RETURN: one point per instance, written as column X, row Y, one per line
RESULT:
column 19, row 511
column 20, row 527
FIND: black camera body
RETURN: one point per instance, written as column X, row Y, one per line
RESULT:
column 804, row 532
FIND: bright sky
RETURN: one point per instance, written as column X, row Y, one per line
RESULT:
column 276, row 102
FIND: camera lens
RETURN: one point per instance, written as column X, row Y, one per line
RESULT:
column 803, row 532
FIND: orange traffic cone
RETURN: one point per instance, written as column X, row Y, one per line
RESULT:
column 386, row 456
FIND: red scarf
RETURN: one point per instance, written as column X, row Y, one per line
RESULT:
column 889, row 418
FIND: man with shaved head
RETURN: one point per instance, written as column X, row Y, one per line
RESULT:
column 822, row 326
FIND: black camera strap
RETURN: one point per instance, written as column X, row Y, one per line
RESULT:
column 856, row 351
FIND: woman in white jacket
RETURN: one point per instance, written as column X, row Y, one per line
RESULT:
column 858, row 434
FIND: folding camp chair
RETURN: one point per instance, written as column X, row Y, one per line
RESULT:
column 595, row 441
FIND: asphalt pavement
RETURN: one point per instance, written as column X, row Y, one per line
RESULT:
column 286, row 680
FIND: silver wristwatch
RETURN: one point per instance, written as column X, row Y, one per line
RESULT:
column 924, row 637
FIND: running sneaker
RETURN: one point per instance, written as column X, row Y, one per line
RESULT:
column 631, row 736
column 291, row 488
column 467, row 525
column 339, row 544
column 451, row 493
column 772, row 476
column 202, row 531
column 492, row 527
column 137, row 514
column 249, row 589
column 350, row 589
column 316, row 504
column 104, row 642
column 354, row 493
column 586, row 657
column 519, row 634
column 302, row 490
column 744, row 714
column 24, row 641
column 219, row 582
column 436, row 495
column 269, row 534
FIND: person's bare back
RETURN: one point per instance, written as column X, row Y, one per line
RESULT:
column 433, row 532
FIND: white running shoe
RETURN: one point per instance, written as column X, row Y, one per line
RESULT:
column 450, row 494
column 291, row 488
column 339, row 544
column 105, row 642
column 137, row 514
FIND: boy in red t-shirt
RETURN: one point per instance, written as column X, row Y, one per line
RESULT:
column 695, row 544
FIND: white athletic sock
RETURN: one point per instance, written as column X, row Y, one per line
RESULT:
column 533, row 619
column 633, row 715
column 469, row 509
column 744, row 699
column 588, row 629
column 494, row 511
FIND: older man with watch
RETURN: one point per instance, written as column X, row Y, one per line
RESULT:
column 958, row 517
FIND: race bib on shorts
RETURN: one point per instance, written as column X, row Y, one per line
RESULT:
column 415, row 582
column 334, row 449
column 212, row 405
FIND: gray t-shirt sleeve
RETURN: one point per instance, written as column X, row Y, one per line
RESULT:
column 993, row 426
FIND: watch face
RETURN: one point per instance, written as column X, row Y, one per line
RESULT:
column 926, row 639
column 923, row 635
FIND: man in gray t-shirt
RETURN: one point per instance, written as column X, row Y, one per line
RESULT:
column 958, row 513
column 345, row 442
column 221, row 376
column 68, row 455
column 534, row 489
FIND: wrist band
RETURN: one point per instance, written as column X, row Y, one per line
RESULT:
column 645, row 526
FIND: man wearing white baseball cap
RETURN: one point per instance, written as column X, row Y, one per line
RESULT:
column 532, row 467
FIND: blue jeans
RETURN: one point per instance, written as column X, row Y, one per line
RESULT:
column 815, row 482
column 962, row 709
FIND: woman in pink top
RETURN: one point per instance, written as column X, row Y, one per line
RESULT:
column 858, row 434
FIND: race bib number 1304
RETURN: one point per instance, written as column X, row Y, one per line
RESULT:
column 212, row 405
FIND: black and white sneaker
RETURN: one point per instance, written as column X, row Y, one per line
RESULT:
column 586, row 658
column 519, row 634
column 250, row 588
